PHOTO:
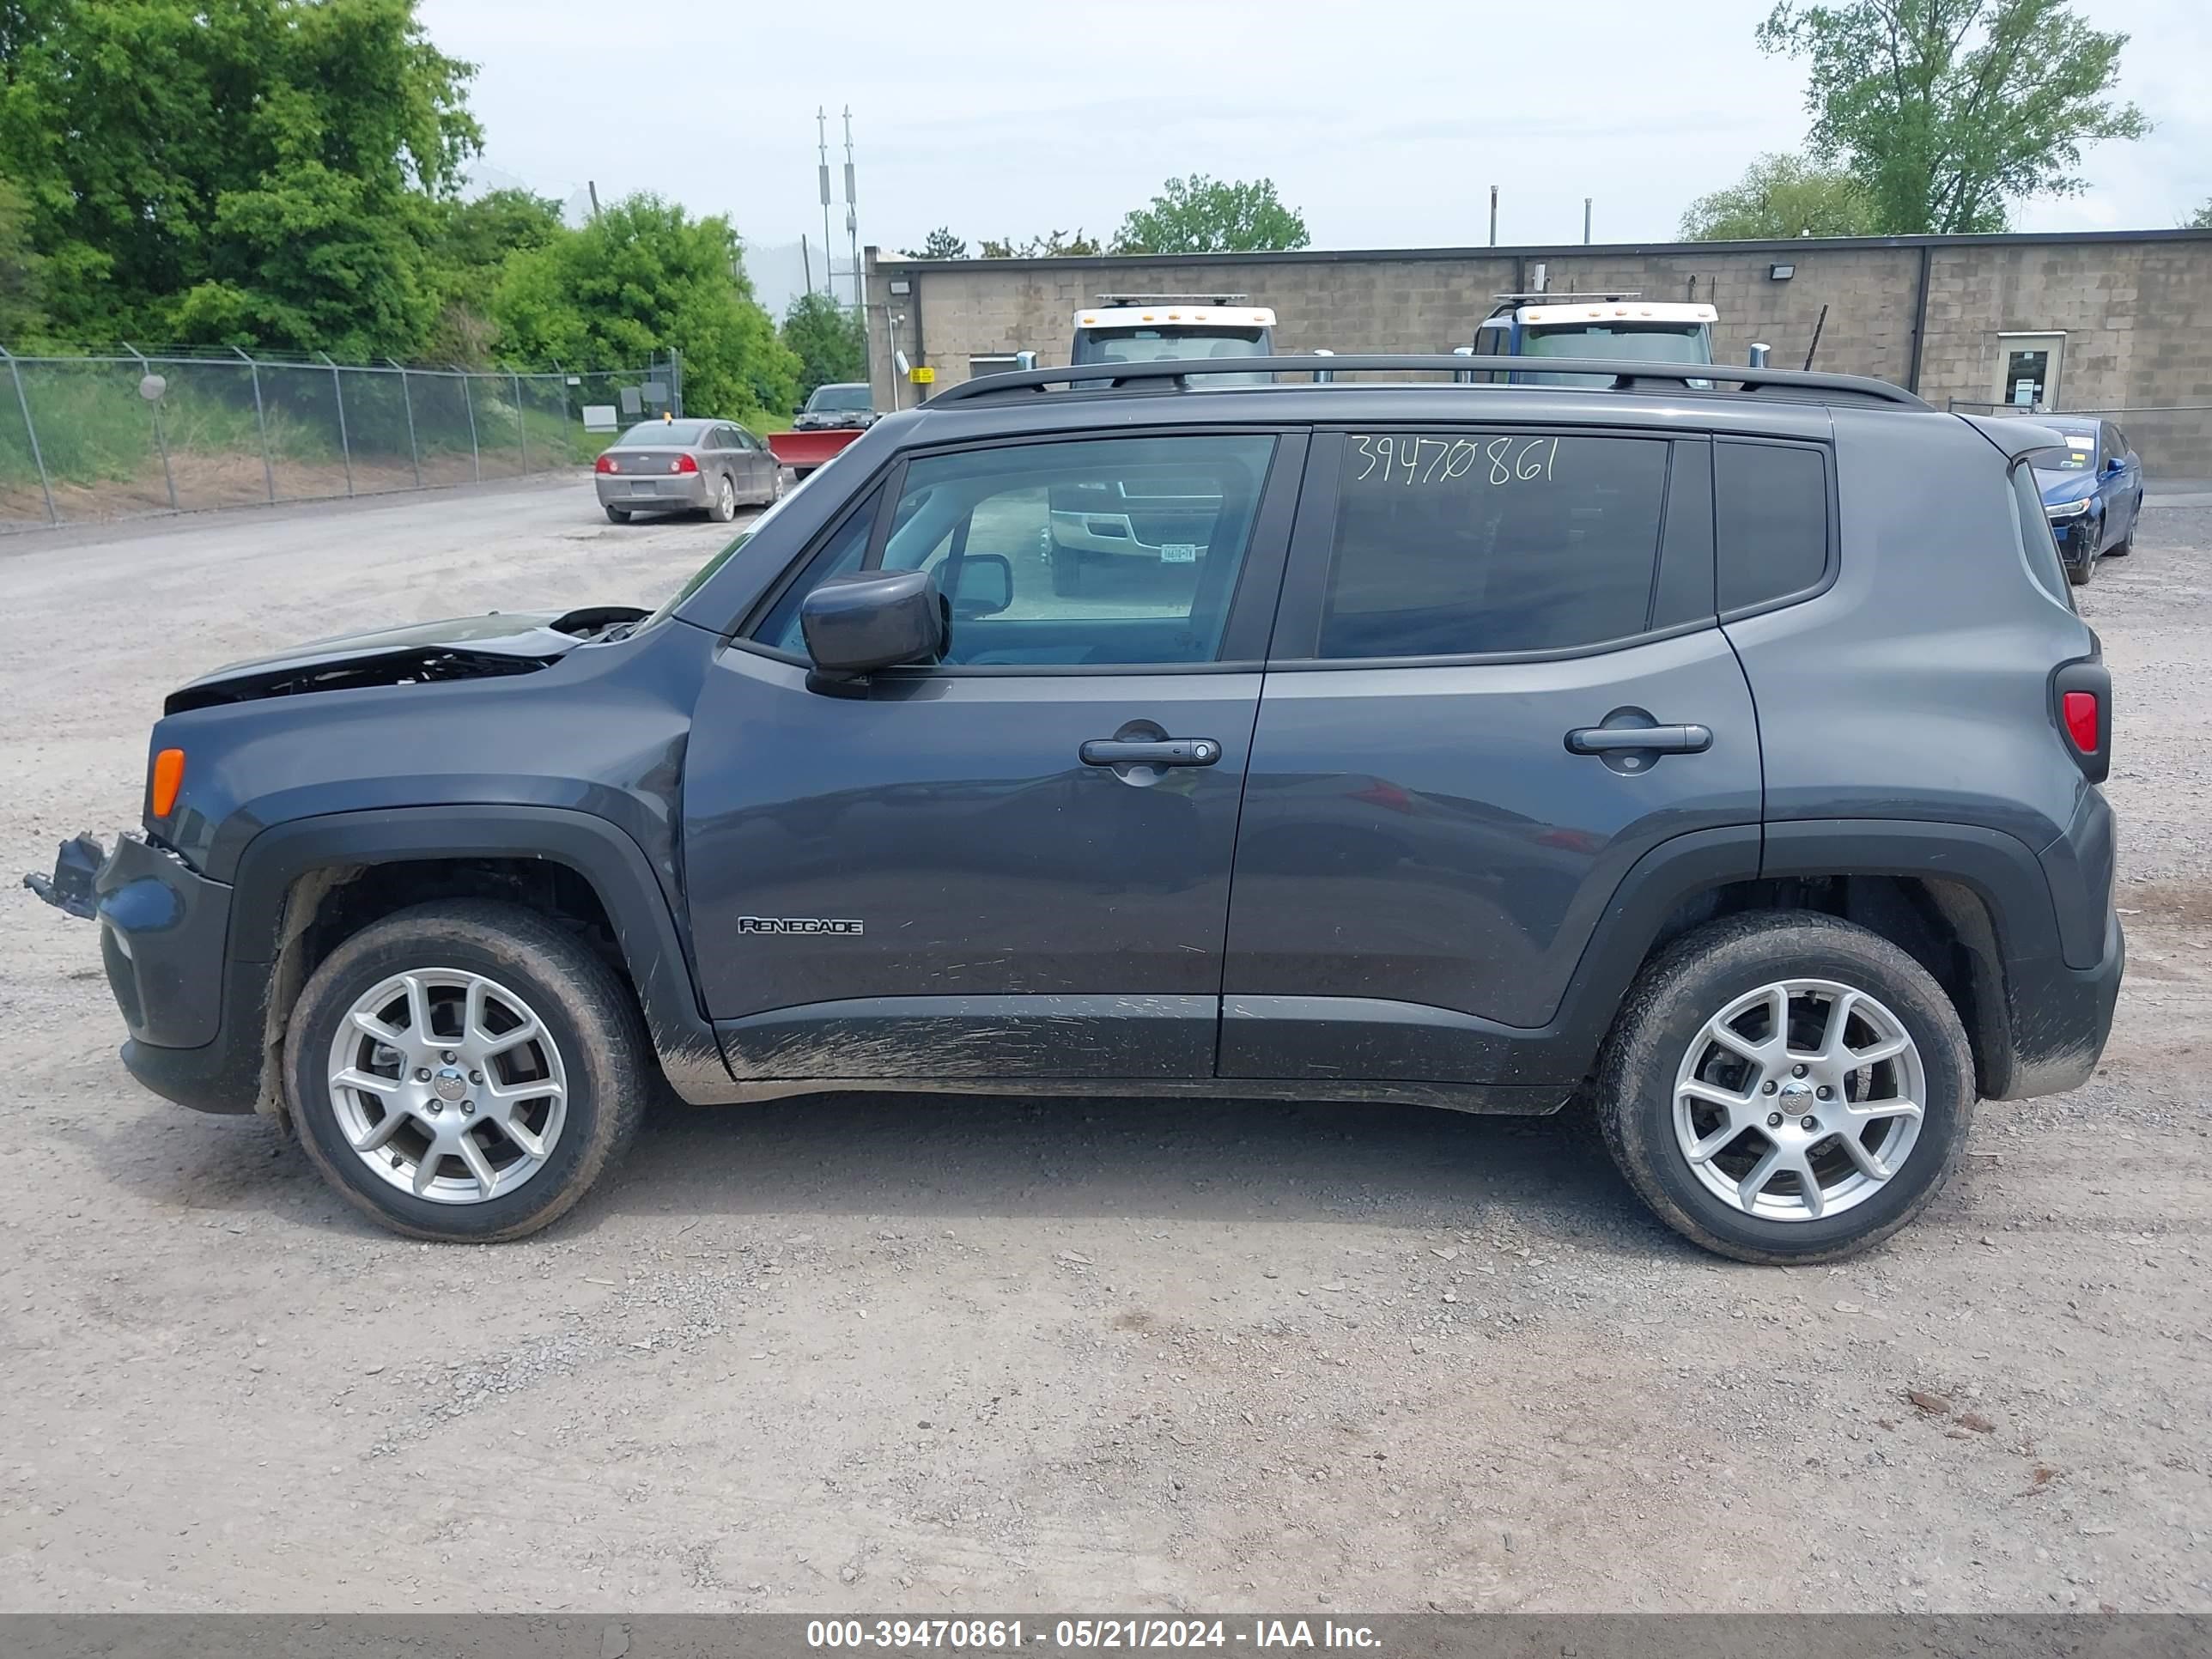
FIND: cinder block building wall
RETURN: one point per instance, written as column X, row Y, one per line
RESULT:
column 2126, row 316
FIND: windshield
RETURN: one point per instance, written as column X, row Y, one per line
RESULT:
column 1676, row 342
column 2080, row 455
column 841, row 399
column 1167, row 345
column 662, row 434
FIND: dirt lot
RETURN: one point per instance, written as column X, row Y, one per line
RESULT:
column 945, row 1354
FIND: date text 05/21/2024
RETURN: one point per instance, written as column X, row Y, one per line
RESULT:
column 988, row 1634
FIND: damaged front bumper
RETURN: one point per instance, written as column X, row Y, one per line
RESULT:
column 163, row 929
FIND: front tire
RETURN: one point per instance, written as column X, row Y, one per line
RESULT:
column 1786, row 1087
column 464, row 1071
column 2082, row 571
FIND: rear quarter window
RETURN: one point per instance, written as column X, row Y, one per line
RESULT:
column 2039, row 549
column 1771, row 522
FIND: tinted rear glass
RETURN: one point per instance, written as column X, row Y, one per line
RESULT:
column 1459, row 543
column 662, row 434
column 1770, row 522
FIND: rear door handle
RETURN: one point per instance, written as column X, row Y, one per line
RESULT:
column 1150, row 751
column 1658, row 739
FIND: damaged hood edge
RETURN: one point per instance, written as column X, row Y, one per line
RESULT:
column 460, row 647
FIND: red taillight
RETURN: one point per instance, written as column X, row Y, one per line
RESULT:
column 606, row 464
column 2079, row 709
column 684, row 463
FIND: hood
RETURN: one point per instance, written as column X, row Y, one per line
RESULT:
column 462, row 647
column 2058, row 486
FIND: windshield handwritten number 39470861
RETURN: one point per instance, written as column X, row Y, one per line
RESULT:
column 1407, row 459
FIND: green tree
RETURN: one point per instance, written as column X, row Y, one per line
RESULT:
column 939, row 243
column 2202, row 219
column 1781, row 196
column 234, row 170
column 1946, row 110
column 644, row 277
column 23, row 274
column 474, row 241
column 828, row 341
column 1053, row 244
column 1198, row 214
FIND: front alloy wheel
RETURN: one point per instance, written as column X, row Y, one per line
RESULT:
column 448, row 1084
column 464, row 1069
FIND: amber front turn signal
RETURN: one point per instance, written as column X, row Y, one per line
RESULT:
column 169, row 778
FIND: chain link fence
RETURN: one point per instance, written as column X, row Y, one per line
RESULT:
column 2175, row 439
column 85, row 439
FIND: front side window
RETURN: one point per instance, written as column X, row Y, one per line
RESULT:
column 839, row 554
column 1455, row 543
column 1116, row 551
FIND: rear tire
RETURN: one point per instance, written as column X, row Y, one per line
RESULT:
column 725, row 505
column 617, row 515
column 1673, row 1144
column 567, row 1068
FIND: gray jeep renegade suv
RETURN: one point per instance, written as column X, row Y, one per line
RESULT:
column 1724, row 754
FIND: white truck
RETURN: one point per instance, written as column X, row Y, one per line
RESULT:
column 1156, row 328
column 1614, row 327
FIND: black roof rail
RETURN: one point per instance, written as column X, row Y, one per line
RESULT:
column 1625, row 376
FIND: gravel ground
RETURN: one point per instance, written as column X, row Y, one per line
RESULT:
column 944, row 1354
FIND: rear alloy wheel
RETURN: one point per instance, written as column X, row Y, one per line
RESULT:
column 1787, row 1087
column 726, row 500
column 617, row 515
column 464, row 1071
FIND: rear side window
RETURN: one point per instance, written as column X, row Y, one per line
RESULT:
column 1467, row 543
column 1770, row 521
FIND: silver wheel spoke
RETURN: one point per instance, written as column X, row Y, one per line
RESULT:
column 1872, row 1111
column 1839, row 1023
column 1716, row 1143
column 541, row 1089
column 1749, row 1189
column 474, row 1031
column 1874, row 1053
column 1712, row 1095
column 377, row 1029
column 353, row 1079
column 479, row 1165
column 427, row 1170
column 418, row 1011
column 530, row 1031
column 1737, row 1043
column 1808, row 1185
column 1870, row 1164
column 381, row 1131
column 531, row 1145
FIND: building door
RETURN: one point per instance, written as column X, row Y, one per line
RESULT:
column 2027, row 370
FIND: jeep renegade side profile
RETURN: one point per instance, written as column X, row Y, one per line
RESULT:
column 1725, row 752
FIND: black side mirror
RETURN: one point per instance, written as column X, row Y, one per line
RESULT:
column 985, row 585
column 855, row 624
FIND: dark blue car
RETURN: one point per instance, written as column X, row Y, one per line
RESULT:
column 2093, row 494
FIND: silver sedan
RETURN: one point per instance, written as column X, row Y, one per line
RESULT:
column 685, row 467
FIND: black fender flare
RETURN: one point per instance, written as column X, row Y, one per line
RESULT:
column 646, row 930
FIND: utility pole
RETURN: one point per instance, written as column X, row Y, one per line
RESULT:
column 852, row 218
column 1493, row 215
column 592, row 186
column 1586, row 220
column 806, row 261
column 822, row 146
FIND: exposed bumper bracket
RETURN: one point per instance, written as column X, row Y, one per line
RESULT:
column 69, row 887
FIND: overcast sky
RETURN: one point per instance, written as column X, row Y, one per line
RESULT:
column 1385, row 121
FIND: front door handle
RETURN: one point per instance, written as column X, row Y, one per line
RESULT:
column 1658, row 739
column 1150, row 751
